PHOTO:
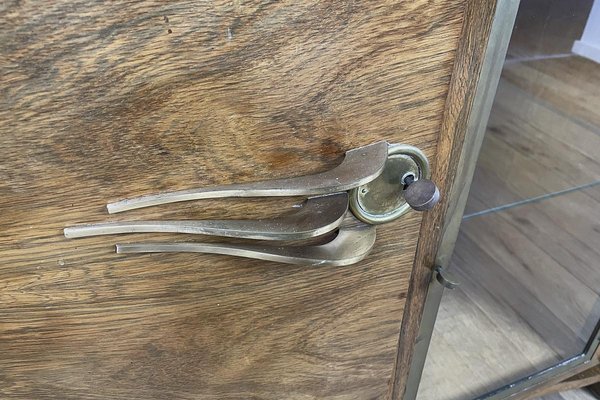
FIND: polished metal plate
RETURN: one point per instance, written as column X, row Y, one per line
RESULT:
column 382, row 200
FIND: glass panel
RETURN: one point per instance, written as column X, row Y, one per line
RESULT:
column 528, row 249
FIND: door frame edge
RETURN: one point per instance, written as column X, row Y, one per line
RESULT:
column 475, row 76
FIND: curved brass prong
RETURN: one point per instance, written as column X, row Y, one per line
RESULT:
column 316, row 216
column 360, row 166
column 352, row 243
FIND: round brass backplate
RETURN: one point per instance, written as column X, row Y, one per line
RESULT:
column 382, row 199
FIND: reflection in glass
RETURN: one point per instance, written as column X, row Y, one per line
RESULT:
column 528, row 248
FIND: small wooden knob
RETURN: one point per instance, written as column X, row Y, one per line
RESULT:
column 422, row 195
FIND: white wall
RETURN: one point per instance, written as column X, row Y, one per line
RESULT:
column 589, row 45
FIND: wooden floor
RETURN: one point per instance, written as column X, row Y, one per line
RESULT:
column 527, row 253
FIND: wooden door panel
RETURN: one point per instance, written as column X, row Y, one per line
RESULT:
column 106, row 101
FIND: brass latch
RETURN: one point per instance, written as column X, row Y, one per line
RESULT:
column 374, row 184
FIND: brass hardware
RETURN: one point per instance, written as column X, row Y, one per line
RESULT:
column 383, row 199
column 360, row 166
column 379, row 176
column 317, row 216
column 352, row 243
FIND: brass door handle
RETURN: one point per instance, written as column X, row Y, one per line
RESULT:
column 374, row 184
column 360, row 166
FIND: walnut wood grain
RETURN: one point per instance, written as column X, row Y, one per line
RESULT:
column 103, row 101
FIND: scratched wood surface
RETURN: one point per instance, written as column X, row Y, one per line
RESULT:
column 105, row 101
